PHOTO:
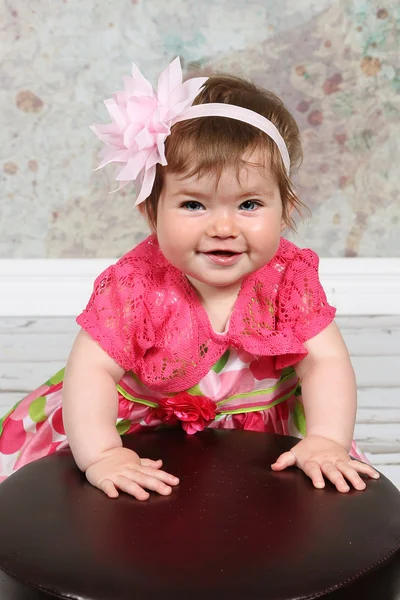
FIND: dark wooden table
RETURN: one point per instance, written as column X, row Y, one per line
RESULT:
column 233, row 529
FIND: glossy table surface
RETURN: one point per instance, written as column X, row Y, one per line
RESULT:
column 232, row 529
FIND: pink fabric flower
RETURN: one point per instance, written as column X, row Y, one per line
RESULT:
column 195, row 412
column 141, row 121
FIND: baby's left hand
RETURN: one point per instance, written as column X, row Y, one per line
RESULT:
column 319, row 456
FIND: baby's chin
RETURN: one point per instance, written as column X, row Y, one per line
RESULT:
column 228, row 286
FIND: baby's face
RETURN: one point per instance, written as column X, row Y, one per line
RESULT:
column 219, row 232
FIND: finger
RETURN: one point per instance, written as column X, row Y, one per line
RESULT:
column 108, row 488
column 365, row 469
column 287, row 459
column 351, row 475
column 150, row 482
column 131, row 487
column 312, row 469
column 147, row 462
column 162, row 475
column 332, row 473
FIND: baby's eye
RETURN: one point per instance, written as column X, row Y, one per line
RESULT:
column 250, row 205
column 192, row 205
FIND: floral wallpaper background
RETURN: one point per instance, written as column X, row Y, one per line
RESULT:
column 335, row 63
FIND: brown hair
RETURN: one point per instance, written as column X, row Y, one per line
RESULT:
column 210, row 144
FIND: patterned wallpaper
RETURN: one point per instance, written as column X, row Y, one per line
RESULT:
column 334, row 63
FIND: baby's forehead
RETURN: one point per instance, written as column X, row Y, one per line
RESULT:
column 249, row 173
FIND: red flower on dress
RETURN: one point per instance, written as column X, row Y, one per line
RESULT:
column 195, row 412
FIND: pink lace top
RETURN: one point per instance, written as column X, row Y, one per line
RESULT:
column 145, row 314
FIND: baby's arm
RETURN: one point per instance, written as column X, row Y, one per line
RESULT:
column 90, row 409
column 329, row 395
column 329, row 388
column 90, row 401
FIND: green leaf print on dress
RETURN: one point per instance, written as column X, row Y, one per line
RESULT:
column 57, row 378
column 221, row 362
column 299, row 417
column 123, row 426
column 36, row 410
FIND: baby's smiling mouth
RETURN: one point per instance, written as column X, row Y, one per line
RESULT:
column 220, row 252
column 223, row 258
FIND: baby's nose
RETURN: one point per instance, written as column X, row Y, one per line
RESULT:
column 224, row 225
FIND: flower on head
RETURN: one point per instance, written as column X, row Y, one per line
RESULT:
column 141, row 121
column 195, row 412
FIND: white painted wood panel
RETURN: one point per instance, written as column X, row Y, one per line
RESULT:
column 371, row 372
column 378, row 437
column 39, row 346
column 372, row 342
column 21, row 375
column 377, row 371
column 24, row 377
column 52, row 325
column 385, row 458
column 63, row 286
column 368, row 322
column 378, row 415
column 35, row 347
column 25, row 343
column 380, row 397
column 8, row 400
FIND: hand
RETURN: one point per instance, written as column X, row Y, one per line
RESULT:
column 319, row 456
column 123, row 469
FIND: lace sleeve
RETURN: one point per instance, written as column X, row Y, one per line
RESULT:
column 302, row 301
column 116, row 315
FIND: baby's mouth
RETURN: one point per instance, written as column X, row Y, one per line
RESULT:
column 217, row 252
column 222, row 252
column 223, row 257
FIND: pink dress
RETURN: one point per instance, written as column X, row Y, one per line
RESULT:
column 145, row 314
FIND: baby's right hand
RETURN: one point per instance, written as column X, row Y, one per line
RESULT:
column 123, row 469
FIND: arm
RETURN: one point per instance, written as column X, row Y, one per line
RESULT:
column 90, row 401
column 90, row 410
column 329, row 387
column 329, row 395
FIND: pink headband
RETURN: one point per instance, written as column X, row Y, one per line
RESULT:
column 142, row 120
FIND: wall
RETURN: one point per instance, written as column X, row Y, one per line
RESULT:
column 332, row 61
